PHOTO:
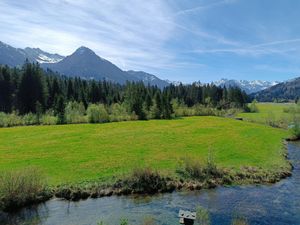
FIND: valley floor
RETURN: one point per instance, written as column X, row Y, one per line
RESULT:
column 103, row 152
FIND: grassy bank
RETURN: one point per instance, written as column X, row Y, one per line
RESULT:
column 274, row 114
column 88, row 152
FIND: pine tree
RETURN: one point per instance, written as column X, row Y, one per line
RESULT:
column 5, row 90
column 59, row 107
column 32, row 89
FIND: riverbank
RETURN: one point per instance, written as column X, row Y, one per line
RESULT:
column 257, row 204
column 81, row 161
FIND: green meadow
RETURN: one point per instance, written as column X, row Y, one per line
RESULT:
column 270, row 112
column 88, row 152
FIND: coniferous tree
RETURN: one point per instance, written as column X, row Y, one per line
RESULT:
column 32, row 89
column 5, row 90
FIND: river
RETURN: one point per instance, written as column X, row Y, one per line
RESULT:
column 260, row 204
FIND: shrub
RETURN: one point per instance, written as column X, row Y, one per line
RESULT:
column 97, row 114
column 30, row 119
column 48, row 118
column 74, row 112
column 10, row 120
column 145, row 181
column 3, row 119
column 253, row 107
column 19, row 188
column 295, row 127
column 118, row 113
column 270, row 120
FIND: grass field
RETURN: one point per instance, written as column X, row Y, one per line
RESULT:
column 270, row 111
column 76, row 153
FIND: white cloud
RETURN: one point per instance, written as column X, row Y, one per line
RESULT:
column 204, row 7
column 121, row 31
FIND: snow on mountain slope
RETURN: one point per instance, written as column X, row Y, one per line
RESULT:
column 248, row 86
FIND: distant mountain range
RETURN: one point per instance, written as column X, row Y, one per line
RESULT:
column 86, row 64
column 82, row 63
column 285, row 91
column 248, row 86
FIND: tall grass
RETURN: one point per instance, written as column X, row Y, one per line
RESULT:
column 22, row 187
column 145, row 180
column 194, row 169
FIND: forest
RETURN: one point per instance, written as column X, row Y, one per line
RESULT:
column 30, row 95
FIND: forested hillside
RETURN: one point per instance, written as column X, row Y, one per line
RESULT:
column 282, row 92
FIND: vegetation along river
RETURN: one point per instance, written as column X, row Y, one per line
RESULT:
column 263, row 204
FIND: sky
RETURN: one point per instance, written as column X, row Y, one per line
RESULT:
column 178, row 40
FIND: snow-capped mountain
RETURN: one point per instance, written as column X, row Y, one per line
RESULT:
column 82, row 63
column 41, row 56
column 16, row 56
column 86, row 64
column 246, row 85
column 285, row 91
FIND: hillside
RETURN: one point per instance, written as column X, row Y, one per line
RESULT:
column 286, row 91
column 82, row 63
column 86, row 64
column 16, row 56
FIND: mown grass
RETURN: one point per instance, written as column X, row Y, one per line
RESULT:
column 86, row 152
column 270, row 112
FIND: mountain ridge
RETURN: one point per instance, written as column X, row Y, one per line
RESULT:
column 284, row 91
column 249, row 86
column 83, row 62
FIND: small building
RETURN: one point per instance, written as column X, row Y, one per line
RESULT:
column 186, row 217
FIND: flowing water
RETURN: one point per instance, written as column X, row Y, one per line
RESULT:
column 263, row 204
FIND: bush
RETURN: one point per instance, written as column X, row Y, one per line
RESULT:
column 118, row 113
column 145, row 181
column 97, row 113
column 48, row 118
column 74, row 113
column 271, row 120
column 30, row 119
column 10, row 120
column 253, row 107
column 19, row 188
column 3, row 119
column 295, row 127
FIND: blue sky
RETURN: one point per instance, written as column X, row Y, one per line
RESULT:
column 175, row 39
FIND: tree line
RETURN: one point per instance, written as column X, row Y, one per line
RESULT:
column 30, row 89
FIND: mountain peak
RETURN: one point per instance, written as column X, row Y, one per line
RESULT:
column 84, row 50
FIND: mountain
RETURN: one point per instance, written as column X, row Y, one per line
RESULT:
column 16, row 56
column 148, row 78
column 11, row 56
column 248, row 86
column 285, row 91
column 82, row 63
column 42, row 57
column 86, row 64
